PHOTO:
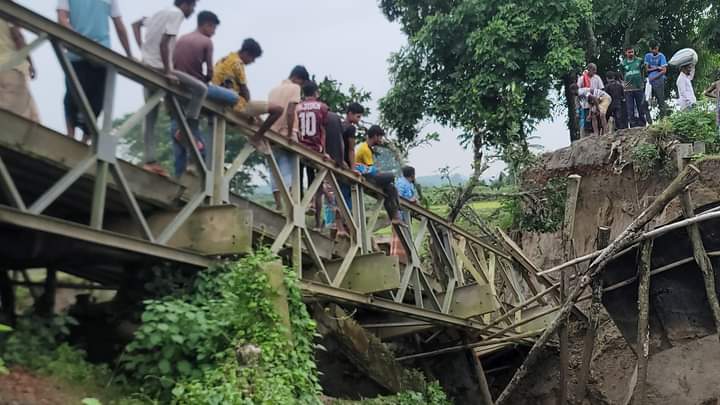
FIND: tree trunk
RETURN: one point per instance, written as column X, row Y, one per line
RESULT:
column 479, row 167
column 573, row 125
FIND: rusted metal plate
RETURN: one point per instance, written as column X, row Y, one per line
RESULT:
column 369, row 273
column 471, row 300
column 214, row 230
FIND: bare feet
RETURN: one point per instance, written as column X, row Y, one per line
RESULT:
column 154, row 167
column 260, row 145
column 181, row 140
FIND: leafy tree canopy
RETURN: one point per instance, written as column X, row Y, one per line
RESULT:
column 484, row 67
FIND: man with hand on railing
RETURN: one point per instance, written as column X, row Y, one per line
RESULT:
column 157, row 52
column 353, row 116
column 15, row 93
column 194, row 56
column 91, row 19
column 365, row 164
column 288, row 95
column 230, row 73
column 312, row 118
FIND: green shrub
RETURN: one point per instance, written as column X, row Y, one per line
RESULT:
column 543, row 211
column 33, row 342
column 185, row 350
column 690, row 126
column 3, row 369
column 433, row 395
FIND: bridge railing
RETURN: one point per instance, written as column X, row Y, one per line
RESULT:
column 460, row 262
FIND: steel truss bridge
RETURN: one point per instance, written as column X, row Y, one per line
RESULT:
column 84, row 211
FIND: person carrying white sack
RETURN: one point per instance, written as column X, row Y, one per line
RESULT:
column 686, row 94
column 686, row 59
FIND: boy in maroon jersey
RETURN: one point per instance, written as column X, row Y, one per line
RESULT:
column 312, row 117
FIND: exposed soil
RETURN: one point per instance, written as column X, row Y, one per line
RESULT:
column 612, row 194
column 23, row 388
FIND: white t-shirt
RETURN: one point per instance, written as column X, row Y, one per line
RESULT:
column 686, row 94
column 585, row 92
column 595, row 83
column 164, row 22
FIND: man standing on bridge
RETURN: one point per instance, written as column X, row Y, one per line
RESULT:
column 91, row 19
column 157, row 52
column 287, row 95
column 14, row 89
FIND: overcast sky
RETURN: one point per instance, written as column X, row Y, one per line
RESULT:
column 348, row 40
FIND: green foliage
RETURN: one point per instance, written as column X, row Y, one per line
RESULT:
column 34, row 339
column 697, row 124
column 484, row 67
column 37, row 344
column 538, row 212
column 674, row 24
column 433, row 395
column 186, row 347
column 3, row 369
column 332, row 93
column 648, row 159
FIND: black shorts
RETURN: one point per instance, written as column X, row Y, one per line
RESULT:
column 92, row 79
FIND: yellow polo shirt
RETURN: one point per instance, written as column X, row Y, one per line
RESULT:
column 364, row 155
column 231, row 69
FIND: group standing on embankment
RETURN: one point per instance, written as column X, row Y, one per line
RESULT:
column 627, row 99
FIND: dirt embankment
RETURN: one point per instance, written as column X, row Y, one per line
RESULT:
column 612, row 194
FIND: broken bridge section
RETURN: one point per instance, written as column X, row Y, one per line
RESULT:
column 82, row 209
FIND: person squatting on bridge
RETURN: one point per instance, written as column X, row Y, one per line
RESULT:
column 230, row 73
column 15, row 93
column 288, row 95
column 365, row 164
column 91, row 18
column 157, row 53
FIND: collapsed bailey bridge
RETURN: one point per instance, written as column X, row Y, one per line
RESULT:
column 468, row 316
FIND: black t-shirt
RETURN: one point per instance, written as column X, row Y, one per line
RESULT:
column 616, row 91
column 349, row 132
column 334, row 143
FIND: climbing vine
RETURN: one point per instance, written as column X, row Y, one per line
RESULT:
column 189, row 347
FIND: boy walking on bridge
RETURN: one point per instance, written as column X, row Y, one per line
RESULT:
column 91, row 19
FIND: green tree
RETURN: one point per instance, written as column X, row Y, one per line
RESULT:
column 674, row 24
column 332, row 93
column 484, row 67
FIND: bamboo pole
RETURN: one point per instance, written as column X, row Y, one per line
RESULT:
column 643, row 333
column 627, row 238
column 519, row 307
column 699, row 253
column 705, row 216
column 573, row 190
column 603, row 239
column 476, row 365
column 484, row 343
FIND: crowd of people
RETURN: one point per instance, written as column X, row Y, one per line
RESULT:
column 625, row 101
column 294, row 108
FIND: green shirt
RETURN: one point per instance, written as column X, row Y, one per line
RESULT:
column 633, row 73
